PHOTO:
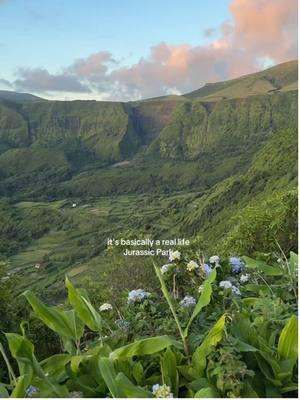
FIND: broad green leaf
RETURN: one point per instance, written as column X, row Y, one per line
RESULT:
column 3, row 391
column 55, row 366
column 262, row 266
column 138, row 372
column 289, row 388
column 198, row 384
column 245, row 347
column 85, row 311
column 129, row 389
column 108, row 373
column 20, row 388
column 204, row 298
column 144, row 347
column 207, row 392
column 288, row 340
column 248, row 391
column 169, row 370
column 212, row 338
column 77, row 360
column 65, row 323
column 22, row 351
column 293, row 261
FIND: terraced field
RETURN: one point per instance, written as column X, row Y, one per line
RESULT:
column 78, row 247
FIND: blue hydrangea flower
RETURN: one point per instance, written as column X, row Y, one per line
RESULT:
column 31, row 390
column 207, row 269
column 137, row 296
column 235, row 290
column 236, row 264
column 188, row 301
column 122, row 324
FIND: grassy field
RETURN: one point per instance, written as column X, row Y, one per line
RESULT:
column 78, row 249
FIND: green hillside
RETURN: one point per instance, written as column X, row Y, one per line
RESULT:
column 15, row 97
column 216, row 170
column 281, row 78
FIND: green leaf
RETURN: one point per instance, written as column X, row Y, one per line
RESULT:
column 55, row 366
column 85, row 311
column 248, row 391
column 169, row 370
column 20, row 388
column 3, row 391
column 108, row 373
column 144, row 347
column 129, row 389
column 207, row 392
column 245, row 347
column 262, row 266
column 22, row 350
column 138, row 372
column 212, row 338
column 293, row 261
column 62, row 322
column 288, row 340
column 204, row 298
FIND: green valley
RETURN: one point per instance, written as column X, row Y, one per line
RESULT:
column 191, row 165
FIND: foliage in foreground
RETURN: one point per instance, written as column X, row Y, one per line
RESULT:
column 236, row 336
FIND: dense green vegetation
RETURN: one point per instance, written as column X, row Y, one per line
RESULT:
column 239, row 339
column 217, row 167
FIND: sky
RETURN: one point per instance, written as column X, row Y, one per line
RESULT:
column 132, row 49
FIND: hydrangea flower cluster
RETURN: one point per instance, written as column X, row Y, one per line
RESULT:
column 137, row 296
column 235, row 290
column 214, row 260
column 162, row 391
column 244, row 278
column 192, row 266
column 188, row 301
column 31, row 390
column 122, row 324
column 174, row 255
column 76, row 395
column 105, row 307
column 207, row 269
column 165, row 268
column 229, row 285
column 237, row 265
column 225, row 284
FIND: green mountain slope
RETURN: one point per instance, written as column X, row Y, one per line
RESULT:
column 15, row 97
column 250, row 212
column 283, row 77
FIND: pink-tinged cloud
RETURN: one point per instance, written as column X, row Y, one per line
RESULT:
column 40, row 80
column 260, row 31
column 266, row 28
column 92, row 67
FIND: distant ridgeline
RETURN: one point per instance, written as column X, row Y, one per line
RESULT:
column 56, row 149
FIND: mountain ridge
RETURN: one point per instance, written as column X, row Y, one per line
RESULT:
column 213, row 138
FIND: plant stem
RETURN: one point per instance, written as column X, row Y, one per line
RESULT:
column 9, row 367
column 171, row 306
